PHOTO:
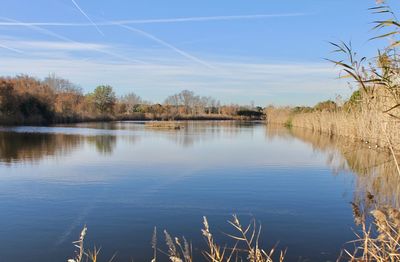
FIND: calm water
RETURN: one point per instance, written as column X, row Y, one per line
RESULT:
column 122, row 179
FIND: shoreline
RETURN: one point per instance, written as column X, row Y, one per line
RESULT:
column 123, row 119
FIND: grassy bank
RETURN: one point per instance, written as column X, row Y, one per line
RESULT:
column 367, row 125
column 372, row 113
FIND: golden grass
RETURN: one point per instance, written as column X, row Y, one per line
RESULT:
column 366, row 125
column 164, row 125
column 379, row 242
column 245, row 248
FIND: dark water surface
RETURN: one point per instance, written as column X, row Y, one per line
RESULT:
column 122, row 179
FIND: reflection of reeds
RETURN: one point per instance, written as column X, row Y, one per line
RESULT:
column 377, row 189
column 374, row 168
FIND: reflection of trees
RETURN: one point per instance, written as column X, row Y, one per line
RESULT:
column 194, row 132
column 34, row 146
column 31, row 147
column 105, row 144
column 116, row 125
column 374, row 168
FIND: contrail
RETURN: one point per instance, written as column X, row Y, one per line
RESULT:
column 148, row 35
column 87, row 17
column 203, row 18
column 48, row 32
column 174, row 48
column 157, row 21
column 11, row 49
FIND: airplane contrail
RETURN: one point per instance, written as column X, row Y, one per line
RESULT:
column 168, row 45
column 87, row 17
column 48, row 32
column 157, row 21
column 203, row 18
column 132, row 29
column 11, row 49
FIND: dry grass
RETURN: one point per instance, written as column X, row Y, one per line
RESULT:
column 164, row 125
column 366, row 125
column 245, row 248
column 248, row 236
column 372, row 114
column 381, row 242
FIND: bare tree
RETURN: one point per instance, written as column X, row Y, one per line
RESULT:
column 130, row 101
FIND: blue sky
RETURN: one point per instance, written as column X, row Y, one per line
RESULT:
column 269, row 52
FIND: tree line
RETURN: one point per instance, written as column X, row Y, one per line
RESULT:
column 25, row 99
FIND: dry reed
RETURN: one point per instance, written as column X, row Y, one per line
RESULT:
column 181, row 250
column 380, row 243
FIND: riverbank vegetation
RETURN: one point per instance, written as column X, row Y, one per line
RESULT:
column 380, row 244
column 372, row 113
column 27, row 100
column 245, row 247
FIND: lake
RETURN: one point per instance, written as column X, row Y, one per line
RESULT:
column 122, row 179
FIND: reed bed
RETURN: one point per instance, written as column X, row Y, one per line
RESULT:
column 372, row 113
column 369, row 126
column 164, row 125
column 245, row 246
column 378, row 242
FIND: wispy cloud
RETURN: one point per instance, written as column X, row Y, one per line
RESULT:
column 240, row 82
column 168, row 45
column 204, row 18
column 87, row 17
column 126, row 24
column 68, row 40
column 10, row 48
column 50, row 45
column 158, row 21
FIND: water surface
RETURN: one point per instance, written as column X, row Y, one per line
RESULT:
column 122, row 179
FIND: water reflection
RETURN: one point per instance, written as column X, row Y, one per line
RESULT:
column 197, row 132
column 105, row 144
column 375, row 169
column 30, row 144
column 124, row 178
column 30, row 147
column 33, row 147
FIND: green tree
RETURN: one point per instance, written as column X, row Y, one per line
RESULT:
column 104, row 99
column 327, row 105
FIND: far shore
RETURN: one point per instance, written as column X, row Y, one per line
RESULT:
column 11, row 122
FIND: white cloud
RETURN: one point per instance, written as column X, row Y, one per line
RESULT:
column 280, row 83
column 156, row 21
column 2, row 45
column 52, row 45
